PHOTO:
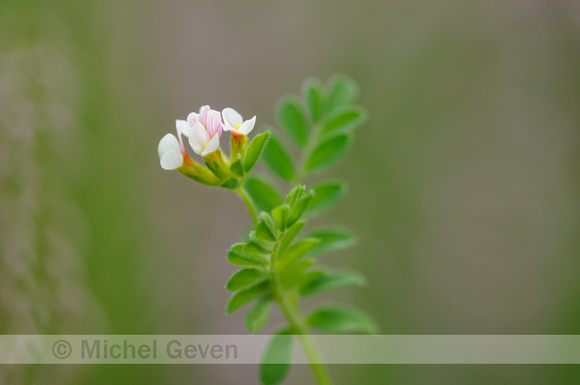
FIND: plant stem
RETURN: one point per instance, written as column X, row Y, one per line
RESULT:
column 251, row 208
column 296, row 320
column 292, row 314
column 291, row 311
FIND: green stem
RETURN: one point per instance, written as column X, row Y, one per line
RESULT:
column 296, row 320
column 291, row 311
column 251, row 208
column 299, row 326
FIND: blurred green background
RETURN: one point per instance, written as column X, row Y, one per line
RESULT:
column 464, row 181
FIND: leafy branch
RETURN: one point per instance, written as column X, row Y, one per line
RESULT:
column 279, row 265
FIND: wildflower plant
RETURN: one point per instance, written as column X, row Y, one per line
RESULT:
column 278, row 265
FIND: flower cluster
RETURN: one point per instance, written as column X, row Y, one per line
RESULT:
column 203, row 131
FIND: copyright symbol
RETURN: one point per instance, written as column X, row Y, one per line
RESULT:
column 61, row 349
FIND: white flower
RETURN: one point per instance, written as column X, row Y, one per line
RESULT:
column 234, row 122
column 203, row 130
column 171, row 150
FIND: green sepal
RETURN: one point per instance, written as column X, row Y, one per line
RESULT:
column 199, row 173
column 280, row 215
column 333, row 280
column 236, row 168
column 216, row 163
column 231, row 184
column 241, row 298
column 277, row 358
column 264, row 194
column 257, row 318
column 244, row 278
column 292, row 118
column 238, row 146
column 331, row 239
column 239, row 257
column 341, row 319
column 255, row 150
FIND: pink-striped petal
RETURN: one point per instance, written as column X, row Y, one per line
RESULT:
column 214, row 123
column 203, row 111
column 192, row 118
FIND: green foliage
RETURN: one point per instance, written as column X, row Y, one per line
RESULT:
column 296, row 202
column 326, row 194
column 237, row 168
column 258, row 317
column 264, row 194
column 265, row 229
column 313, row 93
column 328, row 152
column 292, row 118
column 290, row 235
column 311, row 274
column 277, row 358
column 231, row 184
column 331, row 239
column 345, row 119
column 294, row 195
column 255, row 150
column 240, row 257
column 277, row 157
column 280, row 215
column 299, row 207
column 244, row 278
column 322, row 124
column 258, row 246
column 342, row 320
column 296, row 251
column 243, row 297
column 294, row 274
column 342, row 90
column 327, row 281
column 278, row 263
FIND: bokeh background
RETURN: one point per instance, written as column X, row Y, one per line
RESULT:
column 464, row 181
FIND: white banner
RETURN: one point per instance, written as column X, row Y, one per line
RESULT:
column 247, row 349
